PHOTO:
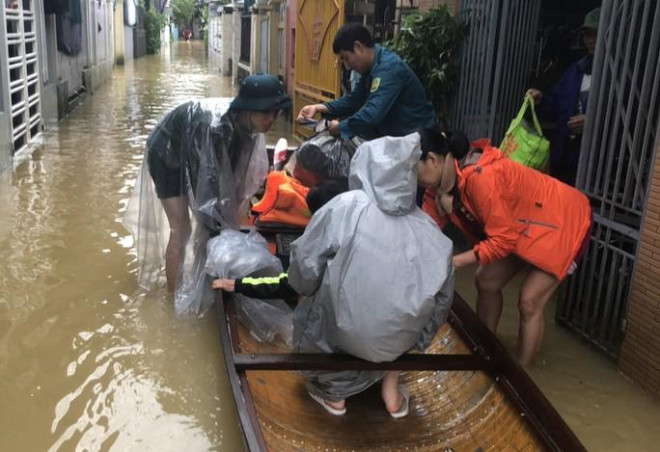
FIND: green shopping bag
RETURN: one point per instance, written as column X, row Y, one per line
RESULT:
column 524, row 142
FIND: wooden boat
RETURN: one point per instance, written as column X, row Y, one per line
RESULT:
column 467, row 394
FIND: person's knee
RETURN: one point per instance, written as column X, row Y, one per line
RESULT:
column 487, row 281
column 178, row 239
column 180, row 233
column 529, row 304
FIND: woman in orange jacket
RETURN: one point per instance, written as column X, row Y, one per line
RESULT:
column 514, row 216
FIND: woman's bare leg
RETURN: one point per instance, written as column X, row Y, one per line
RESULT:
column 490, row 280
column 178, row 218
column 390, row 391
column 536, row 291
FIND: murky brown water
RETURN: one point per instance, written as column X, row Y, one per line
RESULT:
column 85, row 364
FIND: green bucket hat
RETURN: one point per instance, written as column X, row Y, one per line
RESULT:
column 261, row 92
column 591, row 19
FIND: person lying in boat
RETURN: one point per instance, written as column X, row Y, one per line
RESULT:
column 515, row 216
column 277, row 287
column 376, row 275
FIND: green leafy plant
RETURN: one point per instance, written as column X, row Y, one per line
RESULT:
column 428, row 42
column 183, row 12
column 154, row 22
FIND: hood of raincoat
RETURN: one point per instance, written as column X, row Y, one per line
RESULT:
column 386, row 170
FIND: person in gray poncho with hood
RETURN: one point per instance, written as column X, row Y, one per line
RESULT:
column 376, row 274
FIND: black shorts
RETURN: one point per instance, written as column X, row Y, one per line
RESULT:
column 164, row 159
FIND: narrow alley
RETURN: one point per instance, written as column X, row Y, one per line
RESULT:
column 87, row 362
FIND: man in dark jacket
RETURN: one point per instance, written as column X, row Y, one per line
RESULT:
column 567, row 105
column 388, row 100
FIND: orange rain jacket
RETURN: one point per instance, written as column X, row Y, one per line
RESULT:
column 522, row 211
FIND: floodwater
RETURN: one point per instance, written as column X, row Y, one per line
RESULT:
column 85, row 364
column 88, row 364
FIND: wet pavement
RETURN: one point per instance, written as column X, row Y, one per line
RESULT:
column 86, row 364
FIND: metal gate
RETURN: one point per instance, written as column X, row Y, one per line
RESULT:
column 623, row 118
column 496, row 61
column 316, row 78
column 22, row 71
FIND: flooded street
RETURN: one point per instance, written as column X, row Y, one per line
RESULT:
column 84, row 363
column 88, row 363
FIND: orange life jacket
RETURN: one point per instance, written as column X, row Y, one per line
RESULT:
column 283, row 202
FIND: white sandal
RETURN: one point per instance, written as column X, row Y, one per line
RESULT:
column 326, row 407
column 405, row 404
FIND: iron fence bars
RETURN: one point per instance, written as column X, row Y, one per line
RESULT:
column 619, row 142
column 496, row 59
column 20, row 39
column 595, row 297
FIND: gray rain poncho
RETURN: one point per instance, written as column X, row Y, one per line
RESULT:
column 375, row 269
column 200, row 150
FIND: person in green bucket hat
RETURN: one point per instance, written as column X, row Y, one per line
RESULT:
column 205, row 157
column 566, row 104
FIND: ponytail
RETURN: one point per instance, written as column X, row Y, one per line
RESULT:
column 442, row 143
column 459, row 145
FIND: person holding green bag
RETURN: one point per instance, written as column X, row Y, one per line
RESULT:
column 566, row 104
column 524, row 142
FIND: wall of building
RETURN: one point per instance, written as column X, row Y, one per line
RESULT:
column 61, row 76
column 429, row 4
column 5, row 116
column 236, row 39
column 93, row 65
column 119, row 33
column 100, row 36
column 640, row 354
column 50, row 110
column 290, row 44
column 226, row 42
column 214, row 30
column 128, row 43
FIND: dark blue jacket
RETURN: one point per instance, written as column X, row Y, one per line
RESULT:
column 389, row 100
column 560, row 105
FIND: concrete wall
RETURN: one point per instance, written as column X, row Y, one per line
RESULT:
column 5, row 118
column 214, row 43
column 119, row 33
column 62, row 76
column 93, row 65
column 640, row 354
column 128, row 43
column 227, row 41
column 50, row 111
column 100, row 36
column 428, row 4
column 290, row 45
column 236, row 40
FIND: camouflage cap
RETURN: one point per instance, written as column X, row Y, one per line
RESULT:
column 591, row 19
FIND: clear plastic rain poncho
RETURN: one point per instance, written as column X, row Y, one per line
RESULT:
column 235, row 255
column 376, row 270
column 204, row 152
